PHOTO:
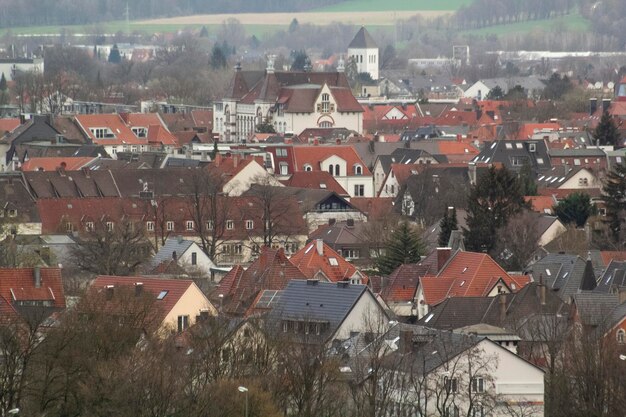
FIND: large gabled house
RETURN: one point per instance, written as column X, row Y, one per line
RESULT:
column 466, row 274
column 564, row 274
column 313, row 311
column 179, row 303
column 32, row 287
column 289, row 101
column 514, row 154
column 319, row 261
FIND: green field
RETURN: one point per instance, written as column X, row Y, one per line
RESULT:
column 393, row 5
column 573, row 22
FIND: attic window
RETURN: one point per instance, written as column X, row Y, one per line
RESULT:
column 540, row 160
column 462, row 283
column 518, row 146
column 509, row 146
column 322, row 186
column 548, row 272
column 430, row 316
column 308, row 249
column 12, row 213
column 162, row 295
column 333, row 261
column 513, row 286
column 464, row 269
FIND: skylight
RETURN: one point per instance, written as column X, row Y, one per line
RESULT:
column 548, row 272
column 508, row 145
column 493, row 145
column 162, row 294
column 430, row 316
column 518, row 146
column 462, row 283
column 333, row 261
column 310, row 247
column 322, row 185
column 464, row 269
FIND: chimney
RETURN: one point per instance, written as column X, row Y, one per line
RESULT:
column 405, row 343
column 350, row 222
column 443, row 254
column 502, row 307
column 331, row 222
column 606, row 103
column 138, row 288
column 37, row 274
column 22, row 119
column 109, row 290
column 319, row 246
column 542, row 294
column 235, row 161
column 593, row 105
column 174, row 255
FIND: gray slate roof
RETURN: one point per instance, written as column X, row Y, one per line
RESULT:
column 564, row 273
column 318, row 301
column 614, row 277
column 362, row 39
column 595, row 308
column 171, row 245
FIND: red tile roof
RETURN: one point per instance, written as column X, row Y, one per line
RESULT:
column 52, row 163
column 402, row 283
column 9, row 125
column 114, row 122
column 529, row 129
column 18, row 284
column 608, row 256
column 310, row 262
column 374, row 207
column 175, row 288
column 272, row 270
column 468, row 274
column 315, row 179
column 541, row 203
column 315, row 155
column 561, row 193
column 203, row 118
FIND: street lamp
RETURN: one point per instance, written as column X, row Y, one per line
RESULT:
column 245, row 391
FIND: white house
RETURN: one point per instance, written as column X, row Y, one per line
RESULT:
column 288, row 101
column 11, row 66
column 364, row 52
column 185, row 253
column 464, row 376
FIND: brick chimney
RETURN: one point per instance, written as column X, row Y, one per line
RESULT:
column 405, row 342
column 502, row 300
column 138, row 288
column 37, row 276
column 443, row 255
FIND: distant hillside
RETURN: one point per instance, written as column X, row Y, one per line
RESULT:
column 393, row 5
column 15, row 13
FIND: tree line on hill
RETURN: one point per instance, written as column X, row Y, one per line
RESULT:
column 482, row 13
column 14, row 13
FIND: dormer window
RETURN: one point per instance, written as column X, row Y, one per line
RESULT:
column 12, row 213
column 358, row 169
column 308, row 168
column 102, row 132
column 140, row 132
column 325, row 102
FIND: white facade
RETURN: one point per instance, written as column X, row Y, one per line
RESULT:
column 478, row 91
column 252, row 173
column 366, row 60
column 10, row 67
column 355, row 185
column 367, row 314
column 190, row 304
column 195, row 259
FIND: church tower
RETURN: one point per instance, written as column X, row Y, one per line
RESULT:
column 364, row 51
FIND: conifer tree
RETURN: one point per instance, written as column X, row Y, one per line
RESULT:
column 3, row 83
column 447, row 224
column 114, row 55
column 606, row 132
column 614, row 191
column 491, row 202
column 403, row 247
column 527, row 179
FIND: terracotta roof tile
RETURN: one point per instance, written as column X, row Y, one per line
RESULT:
column 314, row 155
column 402, row 283
column 315, row 179
column 329, row 262
column 52, row 163
column 18, row 284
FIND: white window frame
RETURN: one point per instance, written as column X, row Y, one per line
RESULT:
column 169, row 226
column 249, row 224
column 150, row 226
column 230, row 224
column 189, row 225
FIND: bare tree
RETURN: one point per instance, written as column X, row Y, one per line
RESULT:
column 517, row 241
column 110, row 248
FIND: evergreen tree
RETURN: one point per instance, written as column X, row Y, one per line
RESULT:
column 215, row 151
column 294, row 25
column 403, row 247
column 495, row 93
column 218, row 57
column 606, row 132
column 527, row 179
column 447, row 224
column 3, row 83
column 114, row 55
column 575, row 208
column 614, row 191
column 300, row 59
column 204, row 32
column 491, row 202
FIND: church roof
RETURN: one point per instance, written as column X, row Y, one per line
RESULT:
column 362, row 40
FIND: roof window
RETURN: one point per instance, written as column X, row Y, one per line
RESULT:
column 162, row 294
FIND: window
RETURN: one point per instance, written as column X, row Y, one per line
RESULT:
column 576, row 162
column 478, row 410
column 284, row 168
column 452, row 411
column 189, row 224
column 450, row 384
column 325, row 102
column 351, row 253
column 89, row 226
column 337, row 170
column 69, row 227
column 169, row 226
column 285, row 326
column 230, row 224
column 621, row 336
column 110, row 226
column 209, row 225
column 358, row 169
column 532, row 147
column 281, row 152
column 478, row 385
column 333, row 262
column 359, row 190
column 249, row 224
column 150, row 226
column 331, row 169
column 183, row 323
column 308, row 168
column 194, row 258
column 162, row 294
column 12, row 213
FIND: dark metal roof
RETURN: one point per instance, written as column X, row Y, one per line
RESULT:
column 362, row 39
